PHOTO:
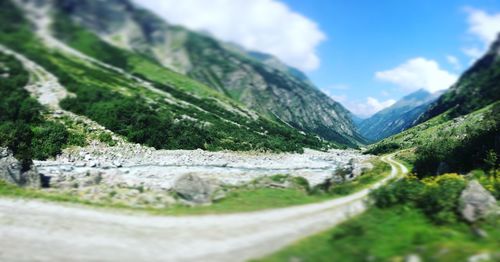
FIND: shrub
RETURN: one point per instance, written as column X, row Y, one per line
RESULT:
column 440, row 200
column 408, row 190
column 106, row 138
column 48, row 140
column 383, row 148
column 22, row 128
column 436, row 196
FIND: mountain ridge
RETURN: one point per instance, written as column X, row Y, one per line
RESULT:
column 261, row 83
column 476, row 88
column 398, row 117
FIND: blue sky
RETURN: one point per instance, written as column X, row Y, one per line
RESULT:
column 374, row 36
column 364, row 54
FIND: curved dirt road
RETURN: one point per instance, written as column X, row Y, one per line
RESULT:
column 39, row 231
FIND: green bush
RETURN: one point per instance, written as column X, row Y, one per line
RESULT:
column 436, row 196
column 48, row 140
column 383, row 148
column 106, row 138
column 440, row 201
column 408, row 190
column 22, row 127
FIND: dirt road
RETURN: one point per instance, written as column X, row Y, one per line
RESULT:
column 39, row 231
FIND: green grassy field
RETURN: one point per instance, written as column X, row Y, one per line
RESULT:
column 409, row 216
column 390, row 235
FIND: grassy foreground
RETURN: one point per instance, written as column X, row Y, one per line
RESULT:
column 390, row 235
column 410, row 216
column 242, row 199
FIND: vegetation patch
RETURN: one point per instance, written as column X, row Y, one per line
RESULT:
column 23, row 128
column 450, row 144
column 197, row 118
column 391, row 234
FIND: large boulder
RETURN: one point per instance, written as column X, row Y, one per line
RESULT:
column 193, row 189
column 352, row 170
column 476, row 202
column 12, row 173
column 10, row 167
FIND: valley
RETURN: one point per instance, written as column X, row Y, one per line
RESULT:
column 127, row 137
column 101, row 233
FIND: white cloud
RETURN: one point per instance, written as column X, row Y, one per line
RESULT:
column 363, row 109
column 370, row 107
column 418, row 73
column 263, row 25
column 472, row 52
column 484, row 27
column 453, row 60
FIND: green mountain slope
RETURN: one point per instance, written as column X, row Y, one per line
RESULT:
column 466, row 135
column 160, row 108
column 476, row 88
column 397, row 117
column 258, row 81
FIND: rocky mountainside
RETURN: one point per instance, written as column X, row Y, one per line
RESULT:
column 259, row 81
column 476, row 88
column 398, row 117
column 460, row 131
column 59, row 94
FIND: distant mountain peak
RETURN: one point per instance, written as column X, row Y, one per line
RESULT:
column 397, row 117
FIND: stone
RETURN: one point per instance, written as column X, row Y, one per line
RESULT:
column 476, row 202
column 193, row 189
column 413, row 258
column 12, row 173
column 480, row 257
column 10, row 168
column 117, row 163
column 32, row 178
column 479, row 232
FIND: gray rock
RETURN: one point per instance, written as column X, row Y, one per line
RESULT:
column 12, row 173
column 193, row 189
column 476, row 202
column 413, row 258
column 350, row 171
column 10, row 168
column 32, row 178
column 480, row 257
column 479, row 232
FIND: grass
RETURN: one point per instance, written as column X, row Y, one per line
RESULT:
column 241, row 200
column 390, row 235
column 369, row 177
column 237, row 200
column 247, row 200
column 406, row 157
column 437, row 128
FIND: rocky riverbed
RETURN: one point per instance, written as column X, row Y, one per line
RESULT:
column 135, row 165
column 138, row 176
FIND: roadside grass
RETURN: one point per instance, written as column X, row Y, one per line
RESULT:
column 247, row 200
column 369, row 177
column 390, row 235
column 406, row 157
column 241, row 199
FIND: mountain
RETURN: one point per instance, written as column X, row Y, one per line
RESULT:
column 91, row 91
column 460, row 131
column 398, row 117
column 259, row 81
column 476, row 88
